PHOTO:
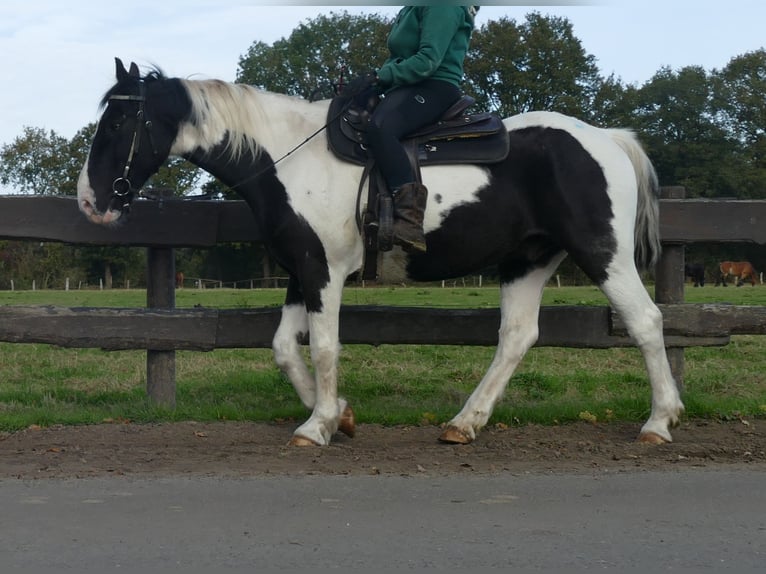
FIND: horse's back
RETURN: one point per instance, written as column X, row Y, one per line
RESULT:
column 615, row 149
column 741, row 270
column 545, row 119
column 736, row 267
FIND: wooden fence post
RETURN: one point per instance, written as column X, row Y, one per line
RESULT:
column 161, row 294
column 670, row 278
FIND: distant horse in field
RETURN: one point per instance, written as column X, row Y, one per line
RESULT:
column 741, row 271
column 696, row 271
column 179, row 279
column 565, row 188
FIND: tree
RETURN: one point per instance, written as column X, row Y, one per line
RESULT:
column 316, row 53
column 614, row 104
column 110, row 264
column 537, row 65
column 47, row 264
column 178, row 175
column 676, row 115
column 741, row 102
column 36, row 162
column 740, row 91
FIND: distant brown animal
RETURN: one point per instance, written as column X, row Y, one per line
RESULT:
column 740, row 270
column 179, row 279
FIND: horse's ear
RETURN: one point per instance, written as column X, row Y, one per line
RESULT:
column 121, row 72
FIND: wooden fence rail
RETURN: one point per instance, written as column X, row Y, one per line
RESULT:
column 161, row 329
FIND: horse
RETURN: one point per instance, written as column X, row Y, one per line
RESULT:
column 565, row 188
column 740, row 270
column 179, row 279
column 697, row 273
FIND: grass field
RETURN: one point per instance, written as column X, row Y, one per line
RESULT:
column 45, row 385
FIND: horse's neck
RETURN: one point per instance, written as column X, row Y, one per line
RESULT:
column 285, row 122
column 246, row 118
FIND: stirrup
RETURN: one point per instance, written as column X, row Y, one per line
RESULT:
column 386, row 222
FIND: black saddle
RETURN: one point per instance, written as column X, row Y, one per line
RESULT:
column 456, row 138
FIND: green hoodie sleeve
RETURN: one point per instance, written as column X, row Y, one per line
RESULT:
column 418, row 47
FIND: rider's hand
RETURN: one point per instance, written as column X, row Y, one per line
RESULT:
column 361, row 84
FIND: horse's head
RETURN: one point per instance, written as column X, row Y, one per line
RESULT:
column 134, row 136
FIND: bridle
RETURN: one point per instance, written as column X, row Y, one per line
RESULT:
column 122, row 189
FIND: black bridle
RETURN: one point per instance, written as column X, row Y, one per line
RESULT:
column 122, row 189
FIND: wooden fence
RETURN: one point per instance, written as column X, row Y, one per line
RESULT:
column 162, row 329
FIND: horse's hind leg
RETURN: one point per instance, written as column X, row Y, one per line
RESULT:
column 330, row 413
column 643, row 319
column 519, row 311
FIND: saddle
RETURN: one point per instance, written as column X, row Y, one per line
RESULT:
column 456, row 138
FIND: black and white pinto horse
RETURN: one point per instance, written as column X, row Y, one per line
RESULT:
column 565, row 188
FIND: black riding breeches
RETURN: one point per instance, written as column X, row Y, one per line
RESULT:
column 401, row 112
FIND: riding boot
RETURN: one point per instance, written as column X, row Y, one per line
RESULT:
column 409, row 208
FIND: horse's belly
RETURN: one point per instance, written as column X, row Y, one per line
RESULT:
column 396, row 266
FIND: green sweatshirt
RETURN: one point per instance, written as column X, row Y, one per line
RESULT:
column 427, row 42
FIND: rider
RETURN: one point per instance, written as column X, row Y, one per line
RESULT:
column 420, row 81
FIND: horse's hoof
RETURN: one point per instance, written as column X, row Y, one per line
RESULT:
column 453, row 435
column 651, row 438
column 298, row 440
column 347, row 423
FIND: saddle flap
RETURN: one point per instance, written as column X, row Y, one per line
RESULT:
column 344, row 140
column 473, row 125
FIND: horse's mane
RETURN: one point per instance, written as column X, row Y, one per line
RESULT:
column 222, row 108
column 218, row 109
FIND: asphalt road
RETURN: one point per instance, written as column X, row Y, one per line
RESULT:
column 653, row 521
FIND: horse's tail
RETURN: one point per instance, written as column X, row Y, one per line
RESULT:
column 647, row 228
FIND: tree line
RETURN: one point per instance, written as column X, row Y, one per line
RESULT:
column 703, row 129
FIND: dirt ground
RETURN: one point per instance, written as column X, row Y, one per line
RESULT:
column 238, row 449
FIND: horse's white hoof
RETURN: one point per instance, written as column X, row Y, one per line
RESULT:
column 651, row 438
column 299, row 440
column 347, row 424
column 453, row 435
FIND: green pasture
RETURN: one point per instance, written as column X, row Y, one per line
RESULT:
column 45, row 385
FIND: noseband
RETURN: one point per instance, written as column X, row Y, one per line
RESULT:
column 122, row 189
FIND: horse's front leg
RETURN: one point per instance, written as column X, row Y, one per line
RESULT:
column 286, row 345
column 330, row 413
column 293, row 327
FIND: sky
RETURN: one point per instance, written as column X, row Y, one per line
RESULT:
column 59, row 54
